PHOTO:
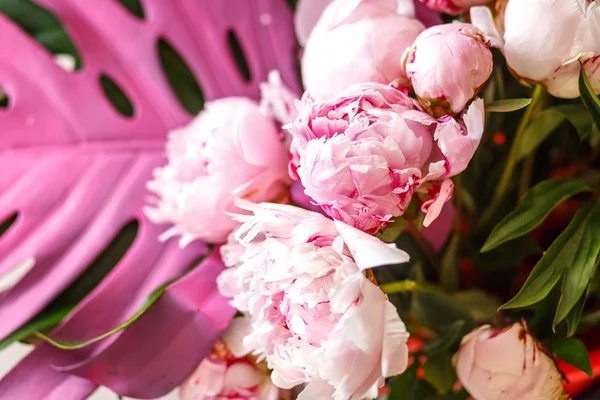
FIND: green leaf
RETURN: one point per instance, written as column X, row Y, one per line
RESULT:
column 547, row 121
column 461, row 395
column 594, row 136
column 534, row 206
column 180, row 77
column 450, row 273
column 481, row 305
column 134, row 7
column 78, row 344
column 440, row 372
column 436, row 310
column 580, row 270
column 573, row 317
column 561, row 255
column 42, row 324
column 577, row 116
column 573, row 351
column 508, row 256
column 590, row 320
column 41, row 25
column 537, row 131
column 589, row 98
column 449, row 337
column 404, row 386
column 507, row 105
column 98, row 269
column 392, row 230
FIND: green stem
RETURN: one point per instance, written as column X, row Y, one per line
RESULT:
column 398, row 286
column 511, row 163
column 525, row 180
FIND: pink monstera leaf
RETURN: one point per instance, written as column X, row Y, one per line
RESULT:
column 75, row 170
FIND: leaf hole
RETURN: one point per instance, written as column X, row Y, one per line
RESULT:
column 116, row 96
column 42, row 26
column 238, row 55
column 180, row 78
column 134, row 7
column 97, row 270
column 8, row 222
column 4, row 100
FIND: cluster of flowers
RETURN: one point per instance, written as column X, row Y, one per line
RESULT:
column 294, row 190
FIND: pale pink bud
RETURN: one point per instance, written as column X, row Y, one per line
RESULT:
column 544, row 40
column 230, row 150
column 453, row 7
column 356, row 42
column 507, row 364
column 447, row 66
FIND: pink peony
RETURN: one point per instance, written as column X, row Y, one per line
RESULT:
column 356, row 42
column 362, row 155
column 507, row 364
column 447, row 66
column 548, row 51
column 315, row 317
column 227, row 375
column 453, row 7
column 230, row 150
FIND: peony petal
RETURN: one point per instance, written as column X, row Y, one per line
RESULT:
column 207, row 380
column 482, row 18
column 307, row 14
column 234, row 336
column 438, row 232
column 245, row 375
column 426, row 15
column 394, row 357
column 433, row 207
column 368, row 251
column 317, row 390
column 406, row 8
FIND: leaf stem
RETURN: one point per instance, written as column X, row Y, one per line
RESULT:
column 502, row 188
column 525, row 180
column 398, row 286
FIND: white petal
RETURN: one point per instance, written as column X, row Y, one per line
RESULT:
column 481, row 17
column 307, row 14
column 394, row 358
column 234, row 336
column 368, row 251
column 406, row 8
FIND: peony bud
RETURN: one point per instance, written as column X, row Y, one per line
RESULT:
column 507, row 364
column 357, row 42
column 230, row 150
column 453, row 7
column 447, row 65
column 548, row 51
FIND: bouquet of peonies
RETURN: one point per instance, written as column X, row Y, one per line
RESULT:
column 420, row 222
